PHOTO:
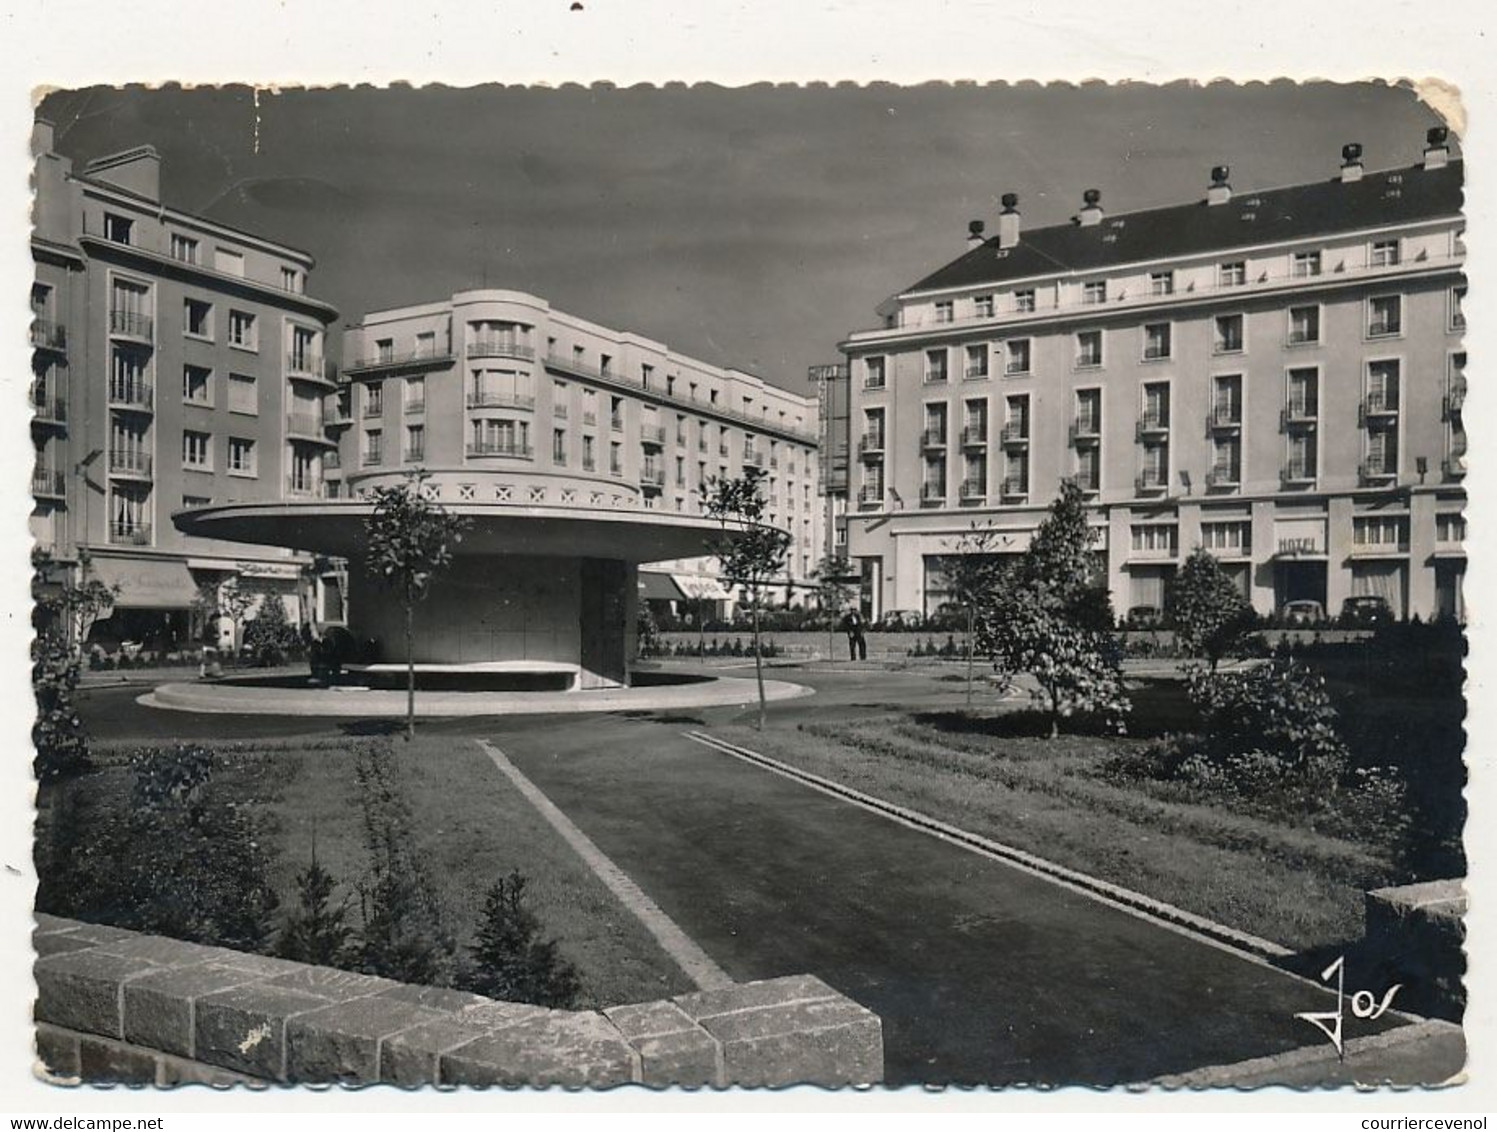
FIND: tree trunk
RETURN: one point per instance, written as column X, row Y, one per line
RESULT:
column 970, row 617
column 410, row 673
column 758, row 662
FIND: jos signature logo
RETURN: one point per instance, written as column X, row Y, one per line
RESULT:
column 1364, row 1004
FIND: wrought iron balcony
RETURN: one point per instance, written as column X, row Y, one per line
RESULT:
column 1301, row 415
column 1224, row 475
column 1151, row 480
column 132, row 395
column 653, row 435
column 130, row 463
column 1085, row 431
column 871, row 445
column 131, row 324
column 1015, row 487
column 975, row 436
column 501, row 448
column 50, row 408
column 500, row 348
column 1224, row 418
column 974, row 489
column 1152, row 424
column 1297, row 473
column 1379, row 404
column 975, row 373
column 490, row 399
column 870, row 496
column 302, row 364
column 48, row 335
column 1377, row 471
column 933, row 493
column 933, row 438
column 652, row 477
column 1015, row 434
column 130, row 534
column 48, row 483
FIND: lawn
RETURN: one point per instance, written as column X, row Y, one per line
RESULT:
column 1282, row 880
column 470, row 827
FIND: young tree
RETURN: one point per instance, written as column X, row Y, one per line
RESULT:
column 835, row 588
column 316, row 930
column 510, row 960
column 751, row 552
column 1049, row 617
column 1211, row 615
column 971, row 577
column 64, row 613
column 411, row 541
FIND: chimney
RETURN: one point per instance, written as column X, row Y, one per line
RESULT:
column 1351, row 161
column 1008, row 221
column 1437, row 152
column 1091, row 208
column 41, row 137
column 1219, row 192
column 136, row 171
column 974, row 234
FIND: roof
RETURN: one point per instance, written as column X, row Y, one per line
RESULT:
column 1393, row 196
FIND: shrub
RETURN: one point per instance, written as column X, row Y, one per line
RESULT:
column 58, row 735
column 270, row 638
column 1279, row 708
column 316, row 930
column 510, row 961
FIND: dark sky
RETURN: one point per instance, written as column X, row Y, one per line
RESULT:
column 750, row 227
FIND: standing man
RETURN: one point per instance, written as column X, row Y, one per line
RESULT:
column 852, row 625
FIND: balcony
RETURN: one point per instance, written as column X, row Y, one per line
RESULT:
column 512, row 449
column 935, row 377
column 753, row 458
column 1377, row 472
column 774, row 461
column 974, row 490
column 50, row 409
column 332, row 461
column 1224, row 476
column 616, row 423
column 652, row 435
column 975, row 436
column 871, row 447
column 559, row 412
column 130, row 534
column 414, row 407
column 1088, row 483
column 373, row 458
column 722, row 449
column 1151, row 481
column 590, row 420
column 975, row 373
column 1299, row 416
column 933, row 438
column 500, row 348
column 1224, row 418
column 1378, row 405
column 1085, row 433
column 131, row 324
column 1384, row 328
column 49, row 335
column 48, row 483
column 1015, row 434
column 701, row 444
column 136, row 395
column 389, row 360
column 873, row 383
column 1453, row 467
column 652, row 478
column 130, row 465
column 489, row 399
column 303, row 366
column 1015, row 487
column 306, row 426
column 870, row 496
column 1454, row 401
column 374, row 408
column 932, row 494
column 1152, row 425
column 1297, row 474
column 303, row 487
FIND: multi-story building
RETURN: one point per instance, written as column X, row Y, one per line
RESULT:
column 1277, row 376
column 499, row 396
column 177, row 362
column 833, row 394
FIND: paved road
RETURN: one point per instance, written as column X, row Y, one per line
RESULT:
column 981, row 973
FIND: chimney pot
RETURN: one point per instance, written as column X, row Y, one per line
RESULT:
column 1351, row 161
column 1219, row 191
column 1008, row 221
column 1091, row 208
column 1437, row 153
column 975, row 233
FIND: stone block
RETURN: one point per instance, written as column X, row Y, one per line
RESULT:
column 46, row 922
column 263, row 966
column 746, row 996
column 175, row 1071
column 101, row 933
column 55, row 943
column 158, row 1006
column 571, row 1050
column 340, row 1044
column 158, row 949
column 81, row 989
column 57, row 1051
column 437, row 998
column 331, row 983
column 826, row 1042
column 410, row 1058
column 102, row 1062
column 672, row 1048
column 244, row 1029
column 493, row 1015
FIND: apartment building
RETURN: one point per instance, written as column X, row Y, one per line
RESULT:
column 177, row 362
column 1277, row 376
column 502, row 398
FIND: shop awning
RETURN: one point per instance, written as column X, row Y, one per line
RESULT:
column 146, row 583
column 658, row 587
column 701, row 588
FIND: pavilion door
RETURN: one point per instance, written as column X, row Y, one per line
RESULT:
column 604, row 609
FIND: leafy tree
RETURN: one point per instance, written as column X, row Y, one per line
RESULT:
column 270, row 636
column 1049, row 617
column 833, row 593
column 510, row 960
column 411, row 541
column 1211, row 615
column 65, row 611
column 972, row 575
column 316, row 931
column 230, row 600
column 751, row 553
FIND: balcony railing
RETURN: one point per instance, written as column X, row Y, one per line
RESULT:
column 302, row 364
column 131, row 324
column 130, row 534
column 701, row 444
column 752, row 456
column 132, row 395
column 1299, row 415
column 1379, row 404
column 1085, row 431
column 870, row 496
column 616, row 423
column 652, row 434
column 590, row 419
column 1454, row 466
column 414, row 406
column 50, row 408
column 1015, row 434
column 974, row 436
column 302, row 486
column 1224, row 417
column 1384, row 327
column 1453, row 402
column 933, row 438
column 305, row 424
column 1151, row 480
column 1015, row 486
column 652, row 477
column 374, row 409
column 488, row 399
column 1295, row 473
column 332, row 461
column 874, row 383
column 501, row 448
column 722, row 449
column 128, row 463
column 1152, row 424
column 974, row 489
column 1377, row 471
column 933, row 493
column 559, row 412
column 500, row 348
column 48, row 335
column 935, row 377
column 405, row 357
column 372, row 459
column 1224, row 475
column 48, row 482
column 871, row 445
column 975, row 373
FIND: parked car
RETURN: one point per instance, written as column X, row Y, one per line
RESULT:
column 1145, row 617
column 899, row 619
column 1366, row 611
column 1302, row 612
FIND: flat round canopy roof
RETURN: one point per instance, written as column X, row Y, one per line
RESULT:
column 337, row 527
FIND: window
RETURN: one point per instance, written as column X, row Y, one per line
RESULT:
column 1384, row 316
column 977, row 362
column 118, row 229
column 615, row 458
column 374, row 444
column 374, row 399
column 1305, row 264
column 1228, row 337
column 228, row 262
column 1389, row 531
column 1156, row 341
column 243, row 397
column 944, row 310
column 935, row 366
column 605, row 364
column 935, row 426
column 426, row 344
column 291, row 280
column 190, row 501
column 558, row 446
column 646, row 375
column 589, row 454
column 1226, row 399
column 1450, row 527
column 1156, row 538
column 1382, row 386
column 1233, row 539
column 1303, row 457
column 415, row 394
column 1016, row 356
column 1024, row 301
column 197, row 385
column 1304, row 394
column 1016, row 423
column 873, row 375
column 1156, row 408
column 184, row 248
column 1384, row 253
column 1304, row 325
column 1226, row 462
column 873, row 430
column 1458, row 308
column 415, row 442
column 197, row 318
column 197, row 450
column 1161, row 282
column 241, row 456
column 982, row 306
column 1093, row 293
column 1088, row 412
column 242, row 330
column 1231, row 274
column 1088, row 349
column 384, row 350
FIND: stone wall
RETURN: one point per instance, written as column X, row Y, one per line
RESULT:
column 118, row 1006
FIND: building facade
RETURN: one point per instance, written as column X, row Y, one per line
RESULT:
column 500, row 397
column 177, row 362
column 1277, row 376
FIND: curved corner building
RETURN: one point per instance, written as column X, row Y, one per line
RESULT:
column 578, row 452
